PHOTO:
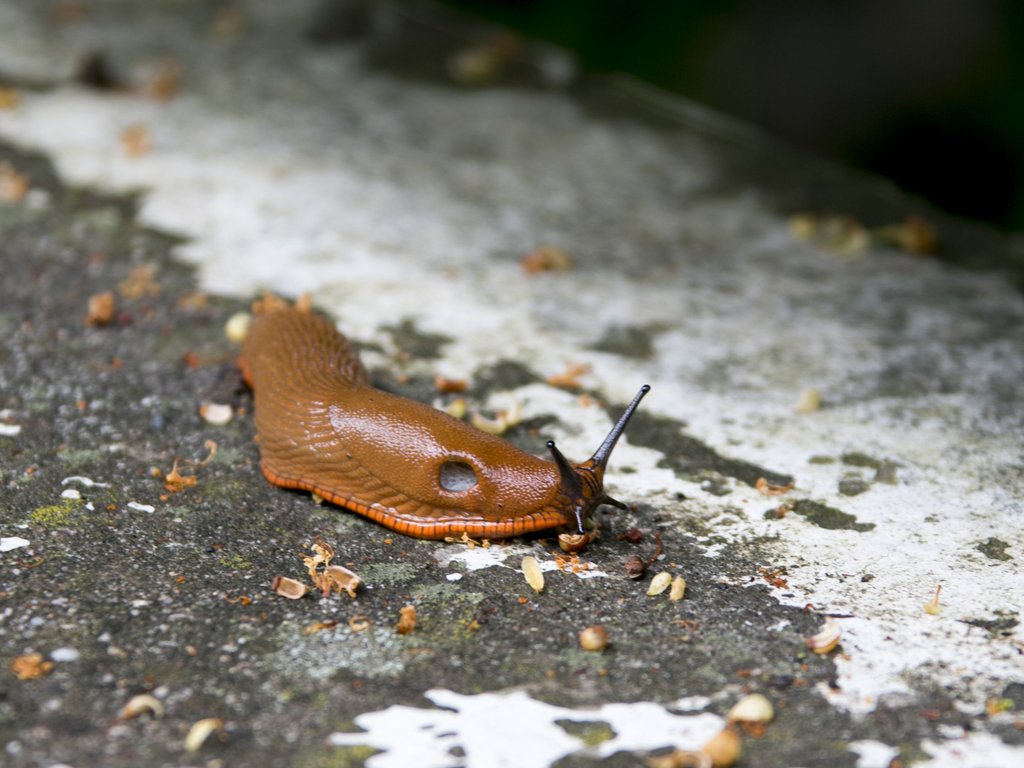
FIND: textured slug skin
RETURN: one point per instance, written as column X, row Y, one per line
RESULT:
column 321, row 427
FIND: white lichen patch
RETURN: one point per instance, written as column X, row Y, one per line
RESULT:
column 473, row 724
column 510, row 556
column 368, row 653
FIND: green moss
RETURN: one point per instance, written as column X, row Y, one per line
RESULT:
column 857, row 459
column 80, row 457
column 828, row 517
column 335, row 757
column 389, row 574
column 592, row 734
column 994, row 549
column 54, row 515
column 236, row 563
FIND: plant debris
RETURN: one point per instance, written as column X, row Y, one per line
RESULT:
column 289, row 588
column 546, row 258
column 406, row 620
column 31, row 666
column 327, row 577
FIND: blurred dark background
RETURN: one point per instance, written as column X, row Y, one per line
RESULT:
column 929, row 93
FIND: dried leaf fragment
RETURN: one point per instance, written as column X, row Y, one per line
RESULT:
column 770, row 489
column 289, row 588
column 546, row 258
column 135, row 140
column 323, row 553
column 9, row 98
column 164, row 83
column 482, row 63
column 142, row 704
column 140, row 283
column 268, row 302
column 913, row 235
column 175, row 482
column 465, row 538
column 447, row 386
column 13, row 185
column 659, row 583
column 532, row 572
column 31, row 666
column 319, row 626
column 570, row 377
column 101, row 309
column 754, row 708
column 406, row 620
column 201, row 730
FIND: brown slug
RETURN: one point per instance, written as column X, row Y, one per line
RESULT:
column 322, row 427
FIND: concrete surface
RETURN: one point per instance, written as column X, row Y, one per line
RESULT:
column 333, row 153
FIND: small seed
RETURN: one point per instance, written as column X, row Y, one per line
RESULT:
column 237, row 326
column 594, row 638
column 217, row 414
column 932, row 606
column 201, row 731
column 723, row 749
column 659, row 583
column 533, row 574
column 754, row 708
column 142, row 704
column 456, row 408
column 678, row 589
column 826, row 639
column 809, row 401
column 359, row 624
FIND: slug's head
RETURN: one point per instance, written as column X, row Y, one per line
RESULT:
column 583, row 484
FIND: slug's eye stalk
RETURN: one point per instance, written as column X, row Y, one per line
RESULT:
column 571, row 484
column 583, row 484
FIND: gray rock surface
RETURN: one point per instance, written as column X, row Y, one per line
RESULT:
column 238, row 151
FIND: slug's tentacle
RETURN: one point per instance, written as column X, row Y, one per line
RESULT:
column 321, row 427
column 585, row 482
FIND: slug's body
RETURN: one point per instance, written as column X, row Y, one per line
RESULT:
column 322, row 427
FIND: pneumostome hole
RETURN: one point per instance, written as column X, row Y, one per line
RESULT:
column 457, row 476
